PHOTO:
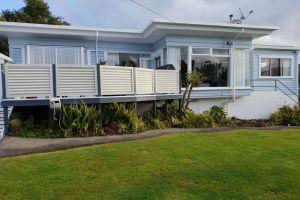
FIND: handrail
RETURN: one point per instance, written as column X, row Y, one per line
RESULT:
column 45, row 81
column 276, row 86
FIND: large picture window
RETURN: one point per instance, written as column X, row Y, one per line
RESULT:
column 56, row 55
column 275, row 67
column 213, row 64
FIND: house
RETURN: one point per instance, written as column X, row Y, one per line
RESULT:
column 248, row 80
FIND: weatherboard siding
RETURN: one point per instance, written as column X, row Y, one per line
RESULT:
column 219, row 93
column 268, row 84
column 172, row 40
column 18, row 45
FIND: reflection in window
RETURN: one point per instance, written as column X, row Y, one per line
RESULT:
column 213, row 69
column 275, row 66
column 128, row 59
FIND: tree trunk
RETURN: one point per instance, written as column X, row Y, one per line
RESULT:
column 189, row 96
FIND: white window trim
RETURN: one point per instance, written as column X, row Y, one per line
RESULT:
column 210, row 52
column 275, row 56
column 190, row 54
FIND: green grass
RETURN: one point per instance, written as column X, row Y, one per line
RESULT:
column 241, row 164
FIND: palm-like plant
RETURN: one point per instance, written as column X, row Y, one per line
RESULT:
column 193, row 79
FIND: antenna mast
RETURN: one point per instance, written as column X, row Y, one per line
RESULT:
column 241, row 19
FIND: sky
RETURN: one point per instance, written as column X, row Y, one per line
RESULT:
column 125, row 14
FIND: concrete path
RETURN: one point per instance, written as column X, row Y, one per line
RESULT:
column 12, row 146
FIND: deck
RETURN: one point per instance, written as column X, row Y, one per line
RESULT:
column 39, row 85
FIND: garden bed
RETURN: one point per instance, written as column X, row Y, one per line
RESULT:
column 80, row 120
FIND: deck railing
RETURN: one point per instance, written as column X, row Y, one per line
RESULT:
column 45, row 81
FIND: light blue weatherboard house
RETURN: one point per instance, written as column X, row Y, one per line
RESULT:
column 57, row 64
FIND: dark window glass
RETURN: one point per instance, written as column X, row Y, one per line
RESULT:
column 201, row 50
column 183, row 64
column 157, row 62
column 213, row 69
column 129, row 59
column 275, row 66
column 220, row 51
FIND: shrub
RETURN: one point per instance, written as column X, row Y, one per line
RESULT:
column 218, row 114
column 235, row 122
column 15, row 125
column 286, row 116
column 124, row 116
column 192, row 120
column 79, row 120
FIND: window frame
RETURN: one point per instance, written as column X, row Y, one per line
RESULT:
column 212, row 55
column 260, row 57
column 211, row 51
column 83, row 51
column 129, row 52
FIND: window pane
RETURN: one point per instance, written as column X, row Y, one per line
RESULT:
column 42, row 55
column 174, row 57
column 113, row 59
column 126, row 59
column 183, row 64
column 165, row 56
column 213, row 69
column 275, row 66
column 69, row 55
column 286, row 65
column 265, row 66
column 241, row 64
column 201, row 50
column 220, row 51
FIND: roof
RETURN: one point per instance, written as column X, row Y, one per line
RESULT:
column 276, row 47
column 5, row 58
column 154, row 31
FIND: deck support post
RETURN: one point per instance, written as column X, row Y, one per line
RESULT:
column 154, row 109
column 180, row 108
column 100, row 115
column 5, row 120
column 136, row 107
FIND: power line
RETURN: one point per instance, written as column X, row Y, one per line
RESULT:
column 151, row 10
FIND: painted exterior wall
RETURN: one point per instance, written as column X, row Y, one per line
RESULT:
column 258, row 105
column 260, row 93
column 17, row 47
column 268, row 84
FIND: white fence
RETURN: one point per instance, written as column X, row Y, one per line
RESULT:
column 40, row 81
column 116, row 80
column 28, row 80
column 76, row 80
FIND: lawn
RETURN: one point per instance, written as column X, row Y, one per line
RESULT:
column 241, row 164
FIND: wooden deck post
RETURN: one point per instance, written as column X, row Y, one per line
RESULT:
column 154, row 109
column 5, row 120
column 99, row 106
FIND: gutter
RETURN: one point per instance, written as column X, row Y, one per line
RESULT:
column 233, row 63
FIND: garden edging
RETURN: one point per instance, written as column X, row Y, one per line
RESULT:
column 13, row 146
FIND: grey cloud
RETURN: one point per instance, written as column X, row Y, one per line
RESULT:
column 125, row 14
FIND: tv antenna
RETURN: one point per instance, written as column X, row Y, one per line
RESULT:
column 241, row 19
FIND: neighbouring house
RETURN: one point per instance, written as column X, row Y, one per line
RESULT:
column 248, row 80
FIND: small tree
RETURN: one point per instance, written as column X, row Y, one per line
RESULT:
column 34, row 11
column 193, row 79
